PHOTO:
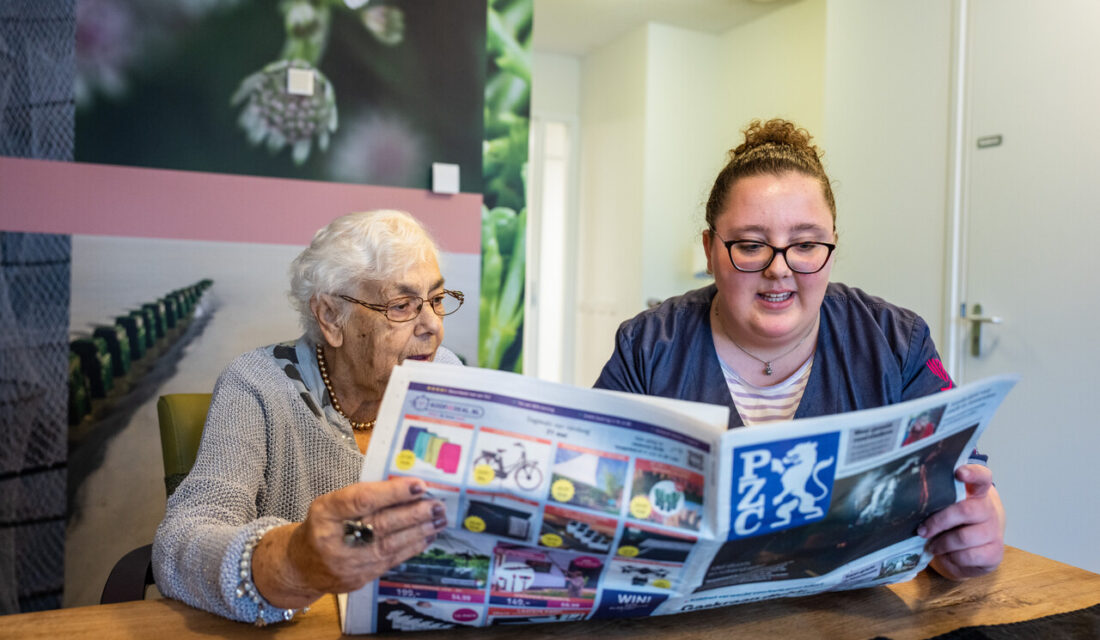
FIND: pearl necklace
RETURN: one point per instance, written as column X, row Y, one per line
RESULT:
column 767, row 363
column 358, row 426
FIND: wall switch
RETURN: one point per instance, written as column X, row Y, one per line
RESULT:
column 444, row 177
column 299, row 82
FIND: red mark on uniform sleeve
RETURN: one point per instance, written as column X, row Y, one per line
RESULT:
column 936, row 367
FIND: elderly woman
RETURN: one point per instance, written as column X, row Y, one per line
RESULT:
column 271, row 516
column 773, row 339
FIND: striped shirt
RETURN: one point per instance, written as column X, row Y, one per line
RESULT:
column 761, row 405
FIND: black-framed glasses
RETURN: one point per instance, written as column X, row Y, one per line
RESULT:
column 408, row 308
column 751, row 256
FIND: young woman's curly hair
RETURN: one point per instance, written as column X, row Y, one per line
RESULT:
column 773, row 147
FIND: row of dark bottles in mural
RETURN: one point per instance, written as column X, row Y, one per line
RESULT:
column 106, row 364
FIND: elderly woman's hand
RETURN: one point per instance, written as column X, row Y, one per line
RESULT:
column 967, row 537
column 296, row 564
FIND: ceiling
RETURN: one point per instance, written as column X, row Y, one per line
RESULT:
column 575, row 27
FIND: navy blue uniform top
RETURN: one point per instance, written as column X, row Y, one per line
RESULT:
column 870, row 353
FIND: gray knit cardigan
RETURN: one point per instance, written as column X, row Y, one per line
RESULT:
column 272, row 443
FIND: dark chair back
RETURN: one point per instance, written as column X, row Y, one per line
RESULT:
column 182, row 417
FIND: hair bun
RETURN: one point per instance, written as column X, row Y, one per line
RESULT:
column 776, row 132
column 773, row 147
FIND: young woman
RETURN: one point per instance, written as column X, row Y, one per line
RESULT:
column 773, row 339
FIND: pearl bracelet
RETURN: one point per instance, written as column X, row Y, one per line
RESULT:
column 247, row 589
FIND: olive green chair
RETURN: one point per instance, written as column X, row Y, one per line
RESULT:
column 181, row 417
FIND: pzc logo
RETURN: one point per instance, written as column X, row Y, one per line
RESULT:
column 782, row 484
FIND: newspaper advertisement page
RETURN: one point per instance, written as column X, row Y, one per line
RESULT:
column 564, row 503
column 567, row 503
column 834, row 502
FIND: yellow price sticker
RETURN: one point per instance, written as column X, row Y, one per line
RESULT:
column 550, row 540
column 484, row 474
column 562, row 490
column 662, row 583
column 404, row 460
column 640, row 507
column 475, row 524
column 628, row 551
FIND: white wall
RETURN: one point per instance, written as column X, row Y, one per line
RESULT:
column 771, row 67
column 609, row 288
column 550, row 328
column 556, row 85
column 887, row 107
column 680, row 151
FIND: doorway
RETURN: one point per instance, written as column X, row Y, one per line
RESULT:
column 1031, row 218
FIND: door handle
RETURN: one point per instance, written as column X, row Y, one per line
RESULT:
column 976, row 320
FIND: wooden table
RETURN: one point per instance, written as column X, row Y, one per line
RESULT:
column 1026, row 586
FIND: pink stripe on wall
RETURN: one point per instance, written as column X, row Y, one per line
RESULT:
column 69, row 197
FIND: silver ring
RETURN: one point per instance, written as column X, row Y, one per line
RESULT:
column 358, row 533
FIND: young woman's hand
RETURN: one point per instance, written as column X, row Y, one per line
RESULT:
column 967, row 537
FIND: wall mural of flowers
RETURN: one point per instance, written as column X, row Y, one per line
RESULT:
column 504, row 162
column 203, row 85
column 272, row 114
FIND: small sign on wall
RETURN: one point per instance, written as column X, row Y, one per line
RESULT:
column 444, row 177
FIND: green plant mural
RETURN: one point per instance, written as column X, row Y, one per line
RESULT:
column 504, row 166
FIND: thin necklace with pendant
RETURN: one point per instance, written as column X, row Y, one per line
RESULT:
column 358, row 426
column 767, row 363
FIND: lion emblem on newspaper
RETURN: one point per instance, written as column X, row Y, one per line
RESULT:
column 782, row 484
column 795, row 469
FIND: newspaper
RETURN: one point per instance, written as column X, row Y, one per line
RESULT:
column 568, row 503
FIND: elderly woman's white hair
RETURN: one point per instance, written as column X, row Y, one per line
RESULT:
column 370, row 245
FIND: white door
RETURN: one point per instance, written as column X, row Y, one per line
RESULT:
column 1033, row 258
